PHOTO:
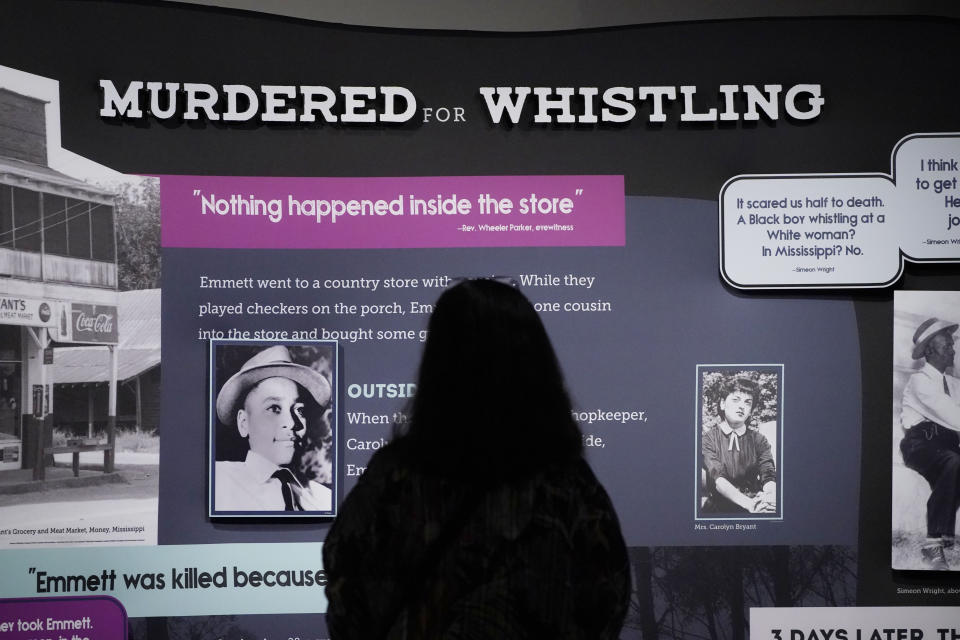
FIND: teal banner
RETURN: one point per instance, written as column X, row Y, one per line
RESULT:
column 175, row 580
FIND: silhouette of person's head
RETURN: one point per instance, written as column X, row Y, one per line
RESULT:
column 490, row 395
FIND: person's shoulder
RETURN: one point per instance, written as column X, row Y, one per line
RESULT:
column 926, row 373
column 232, row 483
column 318, row 488
column 710, row 435
column 229, row 468
column 397, row 457
column 572, row 481
column 386, row 476
column 915, row 379
column 917, row 374
column 317, row 496
column 576, row 503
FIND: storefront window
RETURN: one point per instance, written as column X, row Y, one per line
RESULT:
column 78, row 228
column 101, row 232
column 67, row 226
column 26, row 220
column 9, row 343
column 9, row 381
column 6, row 216
column 10, row 399
column 55, row 224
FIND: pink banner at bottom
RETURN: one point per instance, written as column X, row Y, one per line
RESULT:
column 374, row 213
column 68, row 618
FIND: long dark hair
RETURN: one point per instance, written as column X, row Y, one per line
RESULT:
column 490, row 398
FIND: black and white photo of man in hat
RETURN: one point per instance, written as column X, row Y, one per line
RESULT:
column 930, row 417
column 269, row 403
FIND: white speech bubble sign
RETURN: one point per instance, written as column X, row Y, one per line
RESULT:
column 843, row 230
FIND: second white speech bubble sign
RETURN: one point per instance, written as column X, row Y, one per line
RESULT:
column 843, row 230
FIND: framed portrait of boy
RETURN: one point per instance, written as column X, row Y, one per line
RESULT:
column 273, row 429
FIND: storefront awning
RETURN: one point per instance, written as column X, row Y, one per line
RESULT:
column 138, row 348
column 18, row 171
column 75, row 365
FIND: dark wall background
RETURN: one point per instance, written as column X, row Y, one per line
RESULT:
column 882, row 79
column 528, row 15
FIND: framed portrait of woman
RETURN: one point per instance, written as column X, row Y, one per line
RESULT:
column 739, row 436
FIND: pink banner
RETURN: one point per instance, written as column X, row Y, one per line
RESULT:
column 391, row 213
column 63, row 618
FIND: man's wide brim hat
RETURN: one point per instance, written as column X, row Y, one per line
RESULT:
column 273, row 362
column 925, row 332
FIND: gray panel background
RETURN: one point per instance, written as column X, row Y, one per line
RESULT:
column 667, row 317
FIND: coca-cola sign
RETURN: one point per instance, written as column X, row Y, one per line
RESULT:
column 94, row 323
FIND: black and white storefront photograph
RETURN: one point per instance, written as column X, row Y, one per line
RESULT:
column 79, row 335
